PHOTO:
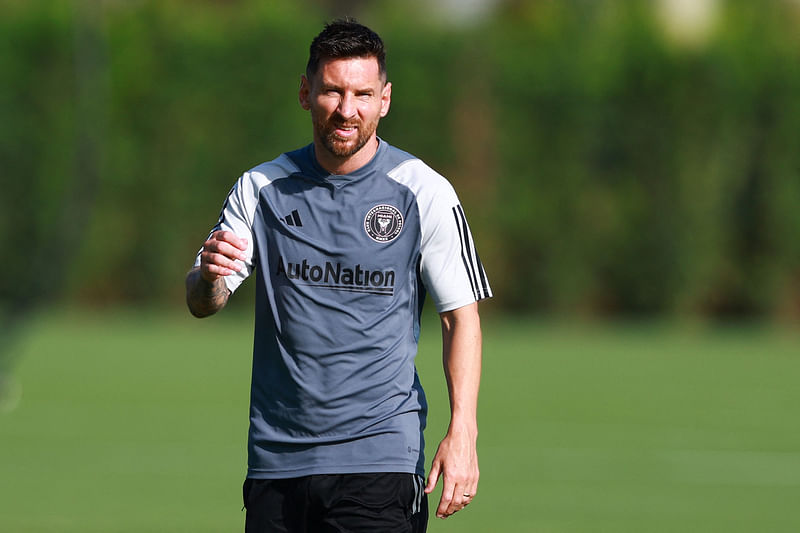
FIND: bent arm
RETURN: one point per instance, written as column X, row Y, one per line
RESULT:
column 205, row 298
column 206, row 292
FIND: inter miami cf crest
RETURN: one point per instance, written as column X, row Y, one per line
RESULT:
column 383, row 223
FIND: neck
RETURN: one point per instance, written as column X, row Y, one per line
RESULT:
column 345, row 165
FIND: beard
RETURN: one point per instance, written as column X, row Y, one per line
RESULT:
column 340, row 146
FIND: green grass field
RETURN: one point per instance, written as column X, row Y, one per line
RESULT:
column 137, row 422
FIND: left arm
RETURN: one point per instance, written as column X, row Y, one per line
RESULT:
column 456, row 459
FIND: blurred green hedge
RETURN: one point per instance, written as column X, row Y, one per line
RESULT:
column 607, row 168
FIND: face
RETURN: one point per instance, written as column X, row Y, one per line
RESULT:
column 346, row 98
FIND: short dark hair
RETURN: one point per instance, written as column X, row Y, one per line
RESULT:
column 344, row 38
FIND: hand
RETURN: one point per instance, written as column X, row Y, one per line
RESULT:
column 219, row 255
column 456, row 460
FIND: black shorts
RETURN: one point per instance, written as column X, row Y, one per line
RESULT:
column 390, row 503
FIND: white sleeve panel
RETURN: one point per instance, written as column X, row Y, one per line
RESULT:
column 239, row 210
column 450, row 267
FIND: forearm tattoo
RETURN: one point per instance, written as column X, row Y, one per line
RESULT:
column 204, row 298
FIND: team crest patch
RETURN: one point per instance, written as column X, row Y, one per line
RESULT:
column 383, row 223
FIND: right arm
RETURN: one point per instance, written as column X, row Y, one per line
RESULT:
column 206, row 292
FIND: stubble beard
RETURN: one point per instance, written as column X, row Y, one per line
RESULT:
column 340, row 147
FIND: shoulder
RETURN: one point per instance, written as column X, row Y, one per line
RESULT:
column 412, row 172
column 267, row 172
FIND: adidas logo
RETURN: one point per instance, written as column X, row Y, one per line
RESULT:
column 293, row 219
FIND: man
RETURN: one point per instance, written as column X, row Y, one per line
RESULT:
column 345, row 236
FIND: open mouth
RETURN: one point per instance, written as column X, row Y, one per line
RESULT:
column 345, row 132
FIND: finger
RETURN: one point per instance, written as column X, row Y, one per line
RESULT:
column 447, row 504
column 225, row 248
column 212, row 272
column 433, row 477
column 469, row 487
column 212, row 262
column 457, row 503
column 467, row 494
column 230, row 237
column 222, row 267
column 466, row 497
column 463, row 494
column 231, row 251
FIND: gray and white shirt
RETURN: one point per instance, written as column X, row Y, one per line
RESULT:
column 342, row 267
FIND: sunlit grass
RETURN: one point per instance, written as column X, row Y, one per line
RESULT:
column 136, row 421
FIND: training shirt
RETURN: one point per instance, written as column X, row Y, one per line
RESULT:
column 342, row 266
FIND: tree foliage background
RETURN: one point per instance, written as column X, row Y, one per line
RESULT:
column 612, row 160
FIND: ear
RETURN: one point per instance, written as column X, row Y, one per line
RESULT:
column 386, row 99
column 305, row 93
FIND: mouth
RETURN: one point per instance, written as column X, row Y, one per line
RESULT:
column 345, row 131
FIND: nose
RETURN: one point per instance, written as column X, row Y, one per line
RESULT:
column 347, row 107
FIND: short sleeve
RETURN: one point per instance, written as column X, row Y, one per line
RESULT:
column 450, row 266
column 236, row 216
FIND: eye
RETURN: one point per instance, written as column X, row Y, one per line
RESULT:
column 329, row 90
